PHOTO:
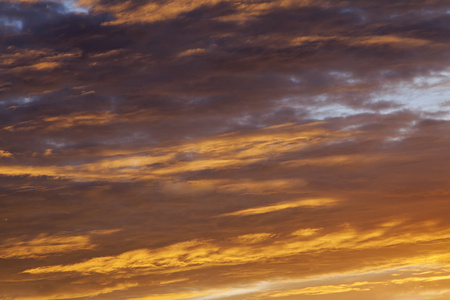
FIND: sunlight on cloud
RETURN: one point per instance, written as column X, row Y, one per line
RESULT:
column 323, row 290
column 153, row 12
column 221, row 152
column 254, row 237
column 68, row 295
column 67, row 121
column 375, row 280
column 382, row 277
column 206, row 294
column 4, row 153
column 420, row 279
column 262, row 187
column 43, row 245
column 283, row 205
column 171, row 296
column 306, row 232
column 196, row 254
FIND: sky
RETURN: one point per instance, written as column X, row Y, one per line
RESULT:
column 224, row 149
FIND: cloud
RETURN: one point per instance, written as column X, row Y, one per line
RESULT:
column 5, row 153
column 44, row 245
column 171, row 296
column 324, row 290
column 229, row 151
column 306, row 231
column 206, row 253
column 258, row 145
column 358, row 286
column 254, row 237
column 282, row 205
column 65, row 295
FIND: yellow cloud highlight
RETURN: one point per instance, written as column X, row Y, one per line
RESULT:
column 80, row 119
column 281, row 206
column 262, row 186
column 355, row 286
column 174, row 256
column 374, row 40
column 420, row 279
column 45, row 65
column 322, row 290
column 4, row 153
column 240, row 250
column 153, row 12
column 397, row 41
column 171, row 296
column 25, row 60
column 220, row 293
column 73, row 295
column 306, row 232
column 227, row 151
column 67, row 121
column 207, row 294
column 43, row 245
column 173, row 281
column 335, row 160
column 254, row 238
column 191, row 52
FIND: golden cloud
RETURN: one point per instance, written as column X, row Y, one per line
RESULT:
column 317, row 202
column 205, row 253
column 218, row 153
column 43, row 245
column 72, row 295
column 322, row 290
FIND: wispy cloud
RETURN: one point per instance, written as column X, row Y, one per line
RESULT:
column 283, row 205
column 44, row 244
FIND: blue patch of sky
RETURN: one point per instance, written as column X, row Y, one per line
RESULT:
column 72, row 7
column 11, row 24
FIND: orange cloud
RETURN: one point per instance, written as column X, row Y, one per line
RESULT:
column 44, row 245
column 205, row 253
column 153, row 12
column 262, row 186
column 172, row 296
column 305, row 232
column 322, row 290
column 72, row 295
column 254, row 237
column 281, row 206
column 218, row 153
column 4, row 153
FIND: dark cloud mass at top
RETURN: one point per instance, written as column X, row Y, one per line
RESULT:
column 221, row 149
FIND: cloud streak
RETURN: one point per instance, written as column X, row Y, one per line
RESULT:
column 282, row 205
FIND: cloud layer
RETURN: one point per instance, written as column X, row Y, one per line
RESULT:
column 224, row 149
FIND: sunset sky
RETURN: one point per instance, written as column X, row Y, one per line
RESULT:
column 225, row 149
